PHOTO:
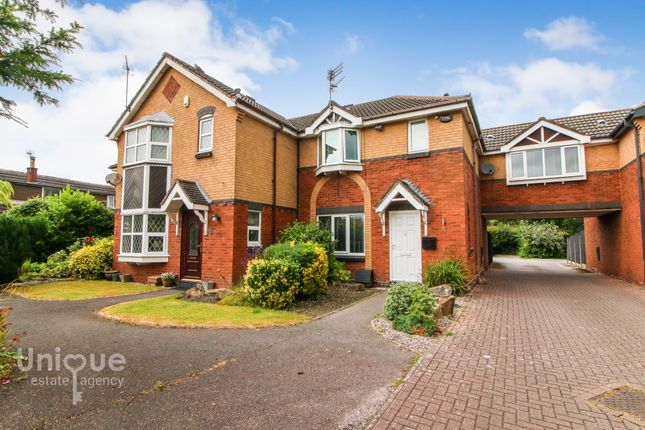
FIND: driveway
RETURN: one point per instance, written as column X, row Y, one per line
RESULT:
column 534, row 344
column 309, row 376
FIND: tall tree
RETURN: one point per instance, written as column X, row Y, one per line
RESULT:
column 29, row 58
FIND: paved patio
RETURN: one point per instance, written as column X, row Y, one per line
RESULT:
column 534, row 345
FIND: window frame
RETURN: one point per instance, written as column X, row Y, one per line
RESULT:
column 581, row 174
column 110, row 202
column 320, row 144
column 145, row 211
column 347, row 217
column 257, row 228
column 148, row 144
column 426, row 147
column 201, row 119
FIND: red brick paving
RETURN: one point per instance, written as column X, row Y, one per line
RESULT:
column 532, row 346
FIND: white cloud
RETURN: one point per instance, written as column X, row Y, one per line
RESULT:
column 352, row 44
column 547, row 87
column 567, row 33
column 69, row 141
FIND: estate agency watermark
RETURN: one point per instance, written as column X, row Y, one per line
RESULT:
column 73, row 363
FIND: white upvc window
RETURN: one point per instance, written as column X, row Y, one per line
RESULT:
column 150, row 142
column 552, row 163
column 110, row 202
column 348, row 230
column 144, row 234
column 206, row 133
column 337, row 146
column 254, row 228
column 418, row 136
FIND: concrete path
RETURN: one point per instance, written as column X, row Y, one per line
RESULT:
column 308, row 376
column 534, row 345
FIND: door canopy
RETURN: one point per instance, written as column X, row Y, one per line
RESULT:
column 188, row 194
column 404, row 190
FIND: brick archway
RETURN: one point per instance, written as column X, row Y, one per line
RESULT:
column 367, row 209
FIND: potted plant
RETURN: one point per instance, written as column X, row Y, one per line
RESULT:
column 168, row 279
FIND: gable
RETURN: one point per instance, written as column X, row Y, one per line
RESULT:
column 544, row 132
column 332, row 117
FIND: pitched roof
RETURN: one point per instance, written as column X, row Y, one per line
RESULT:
column 16, row 177
column 193, row 191
column 595, row 125
column 384, row 107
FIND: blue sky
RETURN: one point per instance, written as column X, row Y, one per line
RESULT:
column 552, row 59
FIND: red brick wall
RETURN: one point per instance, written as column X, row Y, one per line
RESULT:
column 618, row 234
column 340, row 191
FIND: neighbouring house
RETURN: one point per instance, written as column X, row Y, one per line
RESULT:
column 206, row 175
column 30, row 184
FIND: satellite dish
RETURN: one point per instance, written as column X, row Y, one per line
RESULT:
column 113, row 179
column 487, row 168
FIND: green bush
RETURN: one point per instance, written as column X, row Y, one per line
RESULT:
column 310, row 257
column 338, row 272
column 56, row 266
column 542, row 240
column 447, row 271
column 505, row 238
column 410, row 306
column 272, row 283
column 92, row 260
column 70, row 215
column 18, row 239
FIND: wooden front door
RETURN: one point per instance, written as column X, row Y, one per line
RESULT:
column 191, row 246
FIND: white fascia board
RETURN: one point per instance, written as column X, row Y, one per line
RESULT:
column 581, row 138
column 400, row 189
column 355, row 121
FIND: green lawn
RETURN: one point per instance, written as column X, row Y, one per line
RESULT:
column 169, row 311
column 80, row 290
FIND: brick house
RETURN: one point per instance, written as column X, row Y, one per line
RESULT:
column 205, row 175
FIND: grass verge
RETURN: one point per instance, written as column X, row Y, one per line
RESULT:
column 80, row 290
column 170, row 311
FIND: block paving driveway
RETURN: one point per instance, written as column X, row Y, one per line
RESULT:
column 533, row 346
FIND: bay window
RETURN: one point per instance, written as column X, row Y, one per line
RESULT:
column 337, row 146
column 347, row 230
column 147, row 143
column 553, row 163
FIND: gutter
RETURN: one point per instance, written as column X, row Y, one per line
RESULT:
column 629, row 122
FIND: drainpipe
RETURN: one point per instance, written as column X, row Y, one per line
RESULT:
column 297, row 178
column 275, row 185
column 629, row 122
column 478, row 226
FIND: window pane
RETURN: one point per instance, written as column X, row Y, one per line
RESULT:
column 142, row 135
column 155, row 244
column 137, row 223
column 159, row 152
column 127, row 224
column 254, row 219
column 133, row 188
column 517, row 165
column 340, row 233
column 534, row 163
column 137, row 242
column 156, row 223
column 160, row 134
column 325, row 222
column 206, row 142
column 571, row 160
column 193, row 240
column 141, row 152
column 254, row 236
column 157, row 185
column 351, row 145
column 126, row 244
column 553, row 161
column 418, row 136
column 131, row 138
column 331, row 154
column 206, row 126
column 356, row 233
column 129, row 155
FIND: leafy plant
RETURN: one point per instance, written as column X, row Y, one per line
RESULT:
column 18, row 239
column 410, row 306
column 6, row 192
column 543, row 240
column 168, row 276
column 447, row 271
column 505, row 237
column 312, row 261
column 8, row 357
column 272, row 283
column 338, row 272
column 91, row 261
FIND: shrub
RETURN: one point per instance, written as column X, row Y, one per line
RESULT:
column 505, row 238
column 32, row 207
column 447, row 271
column 272, row 283
column 18, row 239
column 310, row 258
column 8, row 357
column 410, row 306
column 91, row 261
column 338, row 272
column 542, row 240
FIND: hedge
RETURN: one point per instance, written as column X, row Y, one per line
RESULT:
column 19, row 237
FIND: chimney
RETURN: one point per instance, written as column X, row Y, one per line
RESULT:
column 32, row 171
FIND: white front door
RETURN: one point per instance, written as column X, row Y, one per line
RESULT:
column 405, row 246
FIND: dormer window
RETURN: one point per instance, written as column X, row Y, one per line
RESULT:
column 339, row 149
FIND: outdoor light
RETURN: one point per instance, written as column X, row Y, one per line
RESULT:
column 216, row 218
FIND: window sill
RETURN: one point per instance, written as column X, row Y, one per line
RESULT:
column 350, row 258
column 203, row 154
column 418, row 154
column 340, row 167
column 537, row 181
column 143, row 259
